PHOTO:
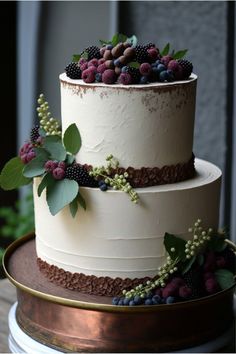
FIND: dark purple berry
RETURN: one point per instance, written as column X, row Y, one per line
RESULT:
column 103, row 187
column 125, row 78
column 93, row 62
column 137, row 300
column 132, row 303
column 58, row 173
column 126, row 301
column 88, row 75
column 187, row 67
column 73, row 71
column 145, row 69
column 79, row 174
column 185, row 292
column 161, row 67
column 93, row 52
column 34, row 135
column 109, row 77
column 156, row 299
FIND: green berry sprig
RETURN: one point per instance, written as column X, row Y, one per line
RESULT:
column 49, row 124
column 200, row 239
column 118, row 182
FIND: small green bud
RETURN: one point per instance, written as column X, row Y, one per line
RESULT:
column 172, row 249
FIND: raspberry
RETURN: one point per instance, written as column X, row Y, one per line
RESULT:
column 185, row 292
column 210, row 263
column 101, row 68
column 73, row 71
column 125, row 79
column 79, row 174
column 84, row 66
column 62, row 165
column 93, row 62
column 187, row 67
column 93, row 52
column 145, row 69
column 101, row 61
column 173, row 65
column 109, row 76
column 34, row 135
column 170, row 290
column 88, row 75
column 211, row 286
column 27, row 153
column 166, row 59
column 50, row 165
column 153, row 54
column 58, row 173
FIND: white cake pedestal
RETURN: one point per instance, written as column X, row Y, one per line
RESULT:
column 19, row 342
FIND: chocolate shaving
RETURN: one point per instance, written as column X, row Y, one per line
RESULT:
column 88, row 284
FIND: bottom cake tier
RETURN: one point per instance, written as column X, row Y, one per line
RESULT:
column 115, row 238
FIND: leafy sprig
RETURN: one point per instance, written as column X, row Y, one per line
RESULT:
column 48, row 124
column 175, row 55
column 118, row 182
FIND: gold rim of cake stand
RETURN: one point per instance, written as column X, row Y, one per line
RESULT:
column 91, row 305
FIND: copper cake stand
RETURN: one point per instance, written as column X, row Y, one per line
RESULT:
column 70, row 321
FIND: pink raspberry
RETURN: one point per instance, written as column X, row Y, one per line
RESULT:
column 58, row 173
column 145, row 69
column 88, row 75
column 173, row 65
column 166, row 59
column 50, row 165
column 125, row 79
column 101, row 68
column 179, row 74
column 153, row 53
column 24, row 158
column 83, row 66
column 211, row 286
column 185, row 292
column 93, row 62
column 82, row 61
column 170, row 290
column 62, row 165
column 109, row 76
column 25, row 148
column 158, row 291
column 30, row 156
column 208, row 275
column 101, row 61
column 210, row 264
column 39, row 140
column 178, row 281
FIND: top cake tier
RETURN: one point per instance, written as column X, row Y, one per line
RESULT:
column 142, row 125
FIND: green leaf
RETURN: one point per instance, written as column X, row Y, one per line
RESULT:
column 134, row 64
column 53, row 145
column 165, row 50
column 47, row 180
column 72, row 139
column 70, row 159
column 42, row 132
column 225, row 278
column 84, row 55
column 103, row 41
column 188, row 264
column 76, row 58
column 217, row 243
column 200, row 259
column 118, row 38
column 12, row 175
column 180, row 54
column 60, row 194
column 170, row 242
column 133, row 40
column 36, row 166
column 74, row 207
column 81, row 201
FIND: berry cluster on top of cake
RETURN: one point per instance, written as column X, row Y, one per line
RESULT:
column 123, row 61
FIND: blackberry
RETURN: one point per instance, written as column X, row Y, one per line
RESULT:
column 194, row 280
column 135, row 74
column 93, row 52
column 187, row 67
column 34, row 135
column 79, row 174
column 142, row 53
column 73, row 71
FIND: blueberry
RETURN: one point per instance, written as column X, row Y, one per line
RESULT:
column 148, row 302
column 132, row 303
column 149, row 295
column 170, row 300
column 109, row 46
column 163, row 76
column 115, row 300
column 121, row 302
column 103, row 187
column 161, row 67
column 137, row 300
column 144, row 80
column 170, row 75
column 125, row 69
column 156, row 299
column 163, row 301
column 153, row 65
column 100, row 183
column 98, row 77
column 126, row 301
column 117, row 62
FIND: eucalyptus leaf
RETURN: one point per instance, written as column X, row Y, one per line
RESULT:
column 42, row 132
column 200, row 259
column 133, row 40
column 72, row 139
column 41, row 153
column 188, row 264
column 176, row 243
column 118, row 38
column 62, row 193
column 217, row 243
column 76, row 58
column 55, row 148
column 81, row 201
column 225, row 278
column 12, row 174
column 70, row 159
column 74, row 207
column 46, row 181
column 134, row 64
column 180, row 54
column 34, row 168
column 165, row 50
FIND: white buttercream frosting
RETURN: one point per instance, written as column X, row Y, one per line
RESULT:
column 142, row 125
column 116, row 238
